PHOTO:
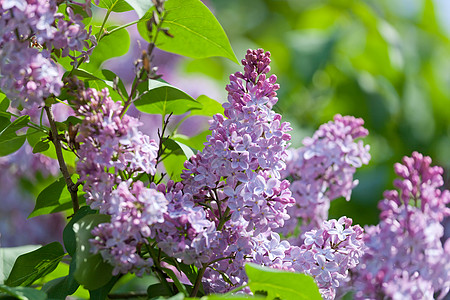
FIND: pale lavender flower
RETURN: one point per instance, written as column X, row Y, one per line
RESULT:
column 109, row 142
column 405, row 258
column 322, row 171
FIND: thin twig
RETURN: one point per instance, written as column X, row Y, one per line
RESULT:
column 73, row 188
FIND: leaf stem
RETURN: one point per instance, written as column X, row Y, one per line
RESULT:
column 198, row 281
column 73, row 188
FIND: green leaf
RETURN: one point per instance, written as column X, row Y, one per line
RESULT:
column 40, row 146
column 102, row 293
column 112, row 45
column 9, row 132
column 140, row 6
column 210, row 107
column 158, row 289
column 110, row 76
column 91, row 272
column 22, row 293
column 163, row 99
column 174, row 158
column 69, row 237
column 34, row 136
column 194, row 142
column 115, row 5
column 11, row 145
column 282, row 284
column 31, row 266
column 196, row 31
column 54, row 198
column 4, row 102
column 8, row 257
column 61, row 287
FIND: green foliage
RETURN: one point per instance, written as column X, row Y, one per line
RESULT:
column 69, row 237
column 10, row 142
column 210, row 107
column 140, row 6
column 31, row 266
column 194, row 142
column 4, row 102
column 175, row 155
column 22, row 293
column 163, row 98
column 115, row 5
column 112, row 45
column 8, row 257
column 281, row 284
column 91, row 271
column 62, row 287
column 54, row 198
column 196, row 32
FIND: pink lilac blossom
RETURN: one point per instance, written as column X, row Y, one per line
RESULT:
column 329, row 253
column 112, row 149
column 134, row 209
column 110, row 145
column 232, row 190
column 405, row 258
column 28, row 30
column 322, row 171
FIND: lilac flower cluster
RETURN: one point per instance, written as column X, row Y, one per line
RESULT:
column 322, row 171
column 28, row 31
column 327, row 254
column 113, row 152
column 232, row 195
column 405, row 258
column 133, row 209
column 112, row 149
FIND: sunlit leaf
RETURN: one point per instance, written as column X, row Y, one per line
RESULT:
column 196, row 32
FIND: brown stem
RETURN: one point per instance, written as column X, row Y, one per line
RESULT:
column 73, row 188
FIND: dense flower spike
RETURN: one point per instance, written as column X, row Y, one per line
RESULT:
column 232, row 194
column 28, row 30
column 112, row 149
column 134, row 209
column 109, row 143
column 322, row 171
column 415, row 264
column 327, row 254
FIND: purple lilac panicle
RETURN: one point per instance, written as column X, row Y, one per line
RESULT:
column 134, row 209
column 327, row 254
column 28, row 30
column 112, row 143
column 232, row 190
column 112, row 148
column 405, row 258
column 322, row 171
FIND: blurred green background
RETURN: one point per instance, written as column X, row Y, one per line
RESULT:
column 384, row 61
